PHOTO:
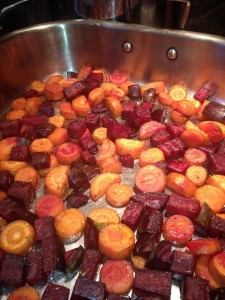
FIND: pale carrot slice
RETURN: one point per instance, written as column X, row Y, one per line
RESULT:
column 58, row 136
column 24, row 293
column 150, row 156
column 180, row 184
column 58, row 121
column 104, row 216
column 107, row 149
column 28, row 174
column 49, row 205
column 38, row 86
column 42, row 145
column 56, row 181
column 119, row 194
column 12, row 166
column 16, row 114
column 67, row 111
column 195, row 157
column 178, row 92
column 99, row 135
column 19, row 103
column 81, row 106
column 217, row 180
column 197, row 175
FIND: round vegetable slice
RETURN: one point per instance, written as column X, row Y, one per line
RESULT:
column 49, row 205
column 24, row 293
column 119, row 194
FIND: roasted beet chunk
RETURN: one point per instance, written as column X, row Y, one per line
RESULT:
column 132, row 214
column 149, row 95
column 22, row 193
column 46, row 108
column 162, row 257
column 73, row 259
column 96, row 76
column 90, row 263
column 86, row 289
column 154, row 281
column 159, row 115
column 20, row 153
column 145, row 244
column 12, row 273
column 127, row 107
column 93, row 121
column 134, row 92
column 182, row 263
column 90, row 84
column 28, row 131
column 117, row 130
column 12, row 211
column 217, row 227
column 99, row 108
column 207, row 90
column 88, row 143
column 35, row 275
column 178, row 166
column 194, row 288
column 90, row 235
column 90, row 171
column 78, row 180
column 214, row 111
column 152, row 199
column 40, row 160
column 34, row 120
column 76, row 129
column 43, row 130
column 216, row 164
column 138, row 116
column 44, row 228
column 117, row 297
column 159, row 137
column 175, row 130
column 76, row 200
column 107, row 119
column 88, row 158
column 74, row 90
column 173, row 149
column 6, row 179
column 30, row 93
column 126, row 160
column 10, row 128
column 55, row 292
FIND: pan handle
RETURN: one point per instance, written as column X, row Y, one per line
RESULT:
column 186, row 12
column 10, row 7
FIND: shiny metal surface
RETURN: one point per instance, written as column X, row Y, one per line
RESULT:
column 10, row 7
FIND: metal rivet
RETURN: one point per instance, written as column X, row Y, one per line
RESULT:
column 172, row 53
column 127, row 47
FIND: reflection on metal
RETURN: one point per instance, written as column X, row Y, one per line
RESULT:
column 127, row 47
column 172, row 54
column 10, row 7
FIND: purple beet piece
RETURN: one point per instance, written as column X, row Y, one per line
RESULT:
column 20, row 153
column 46, row 109
column 86, row 289
column 138, row 116
column 173, row 149
column 216, row 164
column 93, row 121
column 34, row 120
column 12, row 211
column 159, row 137
column 76, row 129
column 74, row 90
column 151, row 221
column 28, row 131
column 217, row 227
column 44, row 228
column 96, row 76
column 43, row 130
column 117, row 297
column 152, row 200
column 126, row 160
column 73, row 259
column 178, row 147
column 159, row 115
column 40, row 160
column 182, row 263
column 89, row 170
column 178, row 166
column 90, row 263
column 99, row 108
column 134, row 92
column 209, row 149
column 76, row 200
column 127, row 107
column 117, row 130
column 53, row 256
column 30, row 93
column 10, row 128
column 12, row 272
column 35, row 275
column 106, row 119
column 149, row 95
column 214, row 111
column 23, row 141
column 6, row 180
column 133, row 132
column 90, row 235
column 78, row 179
column 90, row 84
column 132, row 214
column 145, row 245
column 222, row 243
column 2, row 254
column 88, row 143
column 55, row 292
column 175, row 130
column 220, row 149
column 138, row 294
column 162, row 257
column 207, row 90
column 218, row 294
column 194, row 288
column 178, row 205
column 88, row 158
column 22, row 192
column 154, row 281
column 162, row 164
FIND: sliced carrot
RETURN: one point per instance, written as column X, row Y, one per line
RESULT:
column 217, row 180
column 180, row 184
column 159, row 86
column 132, row 147
column 199, row 113
column 165, row 98
column 178, row 117
column 190, row 125
column 116, row 241
column 70, row 224
column 49, row 205
column 66, row 110
column 113, row 105
column 42, row 145
column 150, row 156
column 28, row 174
column 58, row 136
column 197, row 175
column 178, row 229
column 217, row 267
column 108, row 86
column 119, row 194
column 204, row 246
column 16, row 114
column 178, row 92
column 6, row 146
column 99, row 135
column 65, row 82
column 110, row 164
column 195, row 157
column 19, row 103
column 32, row 105
column 107, row 149
column 58, row 121
column 185, row 107
column 193, row 138
column 38, row 86
column 96, row 96
column 149, row 128
column 54, row 79
column 213, row 131
column 53, row 92
column 150, row 179
column 196, row 103
column 17, row 237
column 138, row 262
column 81, row 106
column 212, row 195
column 53, row 163
column 117, row 93
column 104, row 216
column 117, row 78
column 117, row 276
column 56, row 181
column 2, row 195
column 12, row 166
column 67, row 152
column 24, row 293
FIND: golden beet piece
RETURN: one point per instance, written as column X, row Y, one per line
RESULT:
column 150, row 156
column 99, row 135
column 217, row 180
column 104, row 216
column 180, row 184
column 107, row 149
column 42, row 145
column 12, row 166
column 67, row 111
column 110, row 164
column 119, row 194
column 113, row 105
column 96, row 96
column 81, row 106
column 132, row 147
column 193, row 138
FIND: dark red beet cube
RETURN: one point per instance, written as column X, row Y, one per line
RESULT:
column 162, row 257
column 99, row 108
column 126, row 160
column 96, row 76
column 145, row 245
column 88, row 158
column 207, row 90
column 90, row 263
column 175, row 130
column 12, row 272
column 152, row 200
column 30, row 93
column 73, row 259
column 178, row 166
column 76, row 89
column 86, row 289
column 214, row 111
column 10, row 128
column 90, row 235
column 90, row 84
column 159, row 137
column 127, row 107
column 173, row 149
column 159, row 115
column 217, row 227
column 154, row 281
column 78, row 180
column 93, row 121
column 220, row 149
column 163, row 165
column 46, row 109
column 194, row 288
column 20, row 153
column 55, row 292
column 88, row 143
column 12, row 211
column 138, row 116
column 35, row 275
column 134, row 92
column 6, row 180
column 28, row 131
column 76, row 129
column 22, row 192
column 34, row 120
column 132, row 214
column 149, row 95
column 182, row 263
column 117, row 130
column 216, row 164
column 40, row 160
column 76, row 200
column 23, row 142
column 106, row 119
column 43, row 130
column 209, row 149
column 44, row 228
column 90, row 171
